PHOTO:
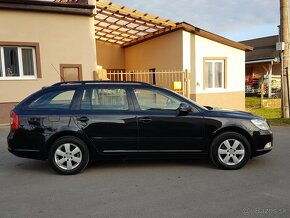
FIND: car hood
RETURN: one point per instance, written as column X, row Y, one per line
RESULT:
column 232, row 113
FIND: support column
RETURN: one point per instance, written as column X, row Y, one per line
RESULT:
column 270, row 80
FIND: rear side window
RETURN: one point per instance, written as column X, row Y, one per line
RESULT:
column 104, row 99
column 60, row 99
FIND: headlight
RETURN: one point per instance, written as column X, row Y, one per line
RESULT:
column 261, row 124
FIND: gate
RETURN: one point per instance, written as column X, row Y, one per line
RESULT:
column 177, row 81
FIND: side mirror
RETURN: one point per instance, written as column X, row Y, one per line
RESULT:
column 184, row 108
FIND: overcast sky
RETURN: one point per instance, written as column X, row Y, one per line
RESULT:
column 234, row 19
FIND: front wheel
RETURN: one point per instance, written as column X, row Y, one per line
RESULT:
column 68, row 155
column 230, row 151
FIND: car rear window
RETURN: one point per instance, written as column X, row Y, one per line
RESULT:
column 60, row 99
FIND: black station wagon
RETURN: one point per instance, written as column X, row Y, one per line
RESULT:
column 72, row 123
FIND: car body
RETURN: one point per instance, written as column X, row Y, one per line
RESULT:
column 71, row 123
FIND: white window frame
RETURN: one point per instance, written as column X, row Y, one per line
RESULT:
column 20, row 64
column 213, row 74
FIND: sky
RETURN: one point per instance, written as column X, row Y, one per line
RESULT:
column 234, row 19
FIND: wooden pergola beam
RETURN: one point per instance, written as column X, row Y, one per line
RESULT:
column 118, row 31
column 134, row 13
column 114, row 34
column 122, row 26
column 136, row 26
column 128, row 18
column 121, row 42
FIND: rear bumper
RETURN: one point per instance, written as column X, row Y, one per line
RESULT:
column 263, row 142
column 31, row 154
column 21, row 148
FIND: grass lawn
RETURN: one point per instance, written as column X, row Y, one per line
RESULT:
column 273, row 115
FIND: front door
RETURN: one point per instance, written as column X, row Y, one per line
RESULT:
column 162, row 128
column 107, row 117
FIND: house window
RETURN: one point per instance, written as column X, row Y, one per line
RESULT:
column 17, row 62
column 214, row 73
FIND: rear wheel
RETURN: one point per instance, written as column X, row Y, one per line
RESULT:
column 230, row 151
column 68, row 155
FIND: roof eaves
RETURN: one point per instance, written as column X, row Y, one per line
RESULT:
column 192, row 29
column 203, row 33
column 44, row 6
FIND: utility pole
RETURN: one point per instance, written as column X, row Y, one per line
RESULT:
column 284, row 25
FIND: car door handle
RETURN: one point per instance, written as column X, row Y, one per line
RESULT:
column 145, row 120
column 83, row 119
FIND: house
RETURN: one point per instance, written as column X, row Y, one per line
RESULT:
column 37, row 37
column 46, row 42
column 263, row 63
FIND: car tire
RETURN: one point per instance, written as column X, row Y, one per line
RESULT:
column 68, row 155
column 230, row 151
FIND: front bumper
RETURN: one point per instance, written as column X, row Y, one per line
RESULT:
column 262, row 142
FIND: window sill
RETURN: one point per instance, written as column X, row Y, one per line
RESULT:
column 214, row 89
column 17, row 78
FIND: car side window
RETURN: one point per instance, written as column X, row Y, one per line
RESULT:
column 104, row 99
column 59, row 99
column 155, row 100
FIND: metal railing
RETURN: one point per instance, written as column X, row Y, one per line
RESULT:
column 177, row 81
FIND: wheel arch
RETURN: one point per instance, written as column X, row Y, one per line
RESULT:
column 61, row 134
column 235, row 129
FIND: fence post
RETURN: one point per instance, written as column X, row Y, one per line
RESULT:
column 122, row 79
column 262, row 94
column 187, row 81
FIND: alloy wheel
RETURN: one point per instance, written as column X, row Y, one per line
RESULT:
column 231, row 152
column 68, row 156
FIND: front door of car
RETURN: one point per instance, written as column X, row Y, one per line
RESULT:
column 107, row 117
column 162, row 128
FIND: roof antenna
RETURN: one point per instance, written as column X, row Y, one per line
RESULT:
column 58, row 73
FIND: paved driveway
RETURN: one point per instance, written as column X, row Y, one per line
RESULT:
column 151, row 188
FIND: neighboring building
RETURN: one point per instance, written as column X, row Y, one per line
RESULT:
column 37, row 37
column 263, row 62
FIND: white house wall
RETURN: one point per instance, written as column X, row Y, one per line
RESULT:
column 186, row 50
column 233, row 95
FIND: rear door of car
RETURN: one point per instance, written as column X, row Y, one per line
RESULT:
column 162, row 128
column 106, row 116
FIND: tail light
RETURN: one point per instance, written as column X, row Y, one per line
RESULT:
column 14, row 121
